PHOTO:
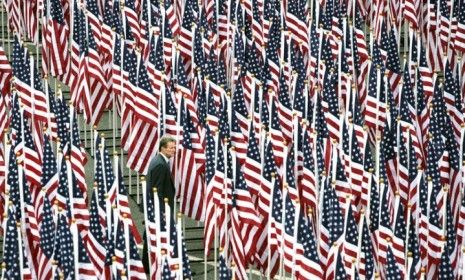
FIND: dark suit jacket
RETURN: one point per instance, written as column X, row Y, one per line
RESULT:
column 159, row 176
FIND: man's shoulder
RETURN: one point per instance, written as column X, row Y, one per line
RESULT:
column 158, row 161
column 155, row 161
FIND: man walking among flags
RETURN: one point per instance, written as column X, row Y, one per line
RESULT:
column 159, row 176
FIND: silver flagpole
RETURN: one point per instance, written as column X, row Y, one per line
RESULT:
column 108, row 208
column 7, row 187
column 283, row 219
column 71, row 209
column 3, row 7
column 215, row 255
column 269, row 226
column 156, row 206
column 37, row 40
column 176, row 157
column 138, row 57
column 137, row 187
column 22, row 223
column 126, row 240
column 225, row 193
column 179, row 242
column 114, row 109
column 20, row 245
column 146, row 224
column 233, row 270
column 47, row 98
column 295, row 233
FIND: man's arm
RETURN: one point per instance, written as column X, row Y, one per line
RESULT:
column 158, row 178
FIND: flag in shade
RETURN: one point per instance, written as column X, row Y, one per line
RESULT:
column 64, row 249
column 47, row 240
column 11, row 255
column 166, row 272
column 224, row 273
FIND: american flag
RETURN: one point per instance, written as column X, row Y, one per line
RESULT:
column 309, row 102
column 127, row 256
column 166, row 272
column 96, row 241
column 33, row 99
column 123, row 201
column 12, row 248
column 224, row 273
column 191, row 188
column 49, row 180
column 47, row 240
column 64, row 248
column 86, row 268
column 55, row 33
column 5, row 72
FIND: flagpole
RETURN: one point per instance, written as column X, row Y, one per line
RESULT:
column 463, row 262
column 215, row 253
column 423, row 273
column 146, row 224
column 157, row 214
column 320, row 76
column 273, row 179
column 445, row 189
column 295, row 234
column 346, row 218
column 168, row 220
column 409, row 264
column 73, row 225
column 177, row 155
column 381, row 188
column 353, row 270
column 409, row 209
column 82, row 124
column 360, row 236
column 179, row 242
column 461, row 161
column 233, row 270
column 126, row 240
column 75, row 232
column 114, row 109
column 108, row 208
column 38, row 28
column 3, row 29
column 430, row 189
column 123, row 104
column 47, row 99
column 20, row 245
column 8, row 36
column 320, row 205
column 113, row 267
column 20, row 160
column 283, row 219
column 137, row 187
column 57, row 97
column 225, row 193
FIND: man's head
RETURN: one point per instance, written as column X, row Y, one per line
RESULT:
column 167, row 146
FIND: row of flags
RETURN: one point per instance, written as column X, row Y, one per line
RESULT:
column 306, row 143
column 53, row 225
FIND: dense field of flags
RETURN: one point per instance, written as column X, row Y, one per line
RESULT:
column 318, row 139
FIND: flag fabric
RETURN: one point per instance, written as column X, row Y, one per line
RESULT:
column 307, row 142
column 55, row 34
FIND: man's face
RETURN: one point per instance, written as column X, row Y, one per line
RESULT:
column 169, row 150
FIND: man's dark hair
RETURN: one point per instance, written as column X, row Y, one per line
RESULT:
column 164, row 141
